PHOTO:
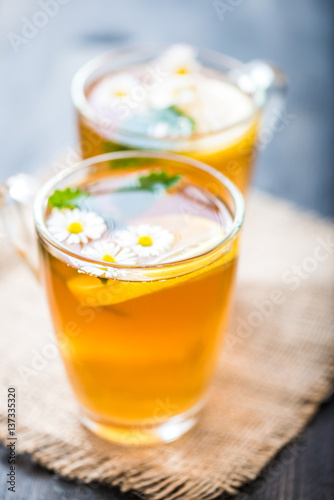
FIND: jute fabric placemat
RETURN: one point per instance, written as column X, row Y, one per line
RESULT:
column 275, row 369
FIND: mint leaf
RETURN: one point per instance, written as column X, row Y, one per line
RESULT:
column 180, row 114
column 153, row 182
column 111, row 147
column 158, row 179
column 160, row 123
column 128, row 162
column 68, row 198
column 104, row 281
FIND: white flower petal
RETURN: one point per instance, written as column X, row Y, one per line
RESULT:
column 93, row 225
column 161, row 238
column 91, row 269
column 98, row 250
column 179, row 59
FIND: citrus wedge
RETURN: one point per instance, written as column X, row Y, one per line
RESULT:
column 92, row 292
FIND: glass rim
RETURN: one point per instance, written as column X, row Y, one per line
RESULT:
column 82, row 105
column 41, row 200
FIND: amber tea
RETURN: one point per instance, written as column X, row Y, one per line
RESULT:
column 140, row 292
column 171, row 102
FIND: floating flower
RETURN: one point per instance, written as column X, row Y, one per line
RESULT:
column 75, row 226
column 107, row 251
column 116, row 97
column 180, row 60
column 118, row 87
column 145, row 240
column 178, row 88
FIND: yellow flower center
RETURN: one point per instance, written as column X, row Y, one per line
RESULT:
column 182, row 70
column 120, row 93
column 108, row 258
column 145, row 241
column 75, row 227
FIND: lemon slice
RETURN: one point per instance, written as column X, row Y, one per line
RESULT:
column 193, row 235
column 197, row 236
column 92, row 292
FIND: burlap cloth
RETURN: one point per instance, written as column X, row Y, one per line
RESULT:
column 275, row 369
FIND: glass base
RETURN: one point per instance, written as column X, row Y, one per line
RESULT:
column 164, row 432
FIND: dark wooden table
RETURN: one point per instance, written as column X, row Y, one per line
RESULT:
column 37, row 123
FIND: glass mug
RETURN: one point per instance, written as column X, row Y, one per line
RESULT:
column 230, row 149
column 140, row 345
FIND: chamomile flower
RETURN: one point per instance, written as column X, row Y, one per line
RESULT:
column 75, row 226
column 179, row 85
column 145, row 240
column 117, row 87
column 180, row 60
column 116, row 98
column 107, row 251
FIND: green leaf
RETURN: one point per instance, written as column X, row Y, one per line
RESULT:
column 128, row 162
column 153, row 181
column 111, row 147
column 68, row 198
column 180, row 114
column 104, row 281
column 163, row 123
column 158, row 179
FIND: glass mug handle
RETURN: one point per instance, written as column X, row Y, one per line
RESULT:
column 266, row 77
column 17, row 194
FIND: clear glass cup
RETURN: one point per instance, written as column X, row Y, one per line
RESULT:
column 141, row 347
column 231, row 150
